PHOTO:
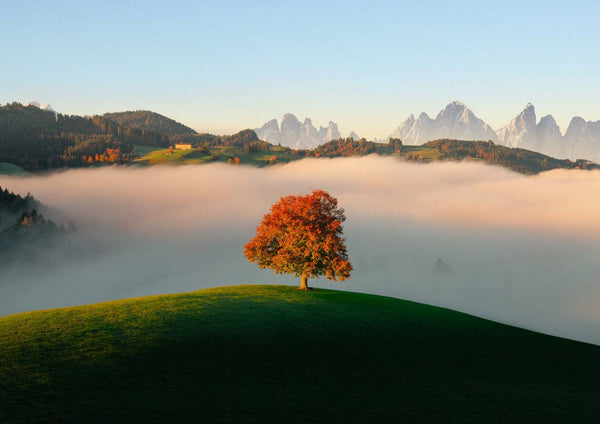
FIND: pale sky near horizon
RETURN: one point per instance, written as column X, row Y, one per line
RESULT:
column 222, row 66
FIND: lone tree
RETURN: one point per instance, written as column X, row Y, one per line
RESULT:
column 301, row 235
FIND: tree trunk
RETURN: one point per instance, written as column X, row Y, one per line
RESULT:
column 304, row 283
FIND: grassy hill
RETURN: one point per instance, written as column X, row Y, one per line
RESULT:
column 261, row 354
column 274, row 154
column 10, row 169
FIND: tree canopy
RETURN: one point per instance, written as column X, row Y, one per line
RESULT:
column 302, row 235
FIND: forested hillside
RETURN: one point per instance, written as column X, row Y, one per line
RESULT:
column 520, row 160
column 12, row 205
column 149, row 121
column 346, row 147
column 21, row 225
column 37, row 139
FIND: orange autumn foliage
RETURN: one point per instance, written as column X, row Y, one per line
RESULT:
column 302, row 235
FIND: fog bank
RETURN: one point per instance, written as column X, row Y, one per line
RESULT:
column 516, row 249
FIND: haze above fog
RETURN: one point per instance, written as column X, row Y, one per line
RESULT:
column 520, row 250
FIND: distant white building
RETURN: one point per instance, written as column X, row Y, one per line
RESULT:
column 183, row 146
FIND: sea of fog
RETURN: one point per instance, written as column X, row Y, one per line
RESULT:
column 516, row 249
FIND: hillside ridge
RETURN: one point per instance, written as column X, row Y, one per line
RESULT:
column 262, row 353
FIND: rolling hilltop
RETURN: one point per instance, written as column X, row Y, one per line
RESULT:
column 234, row 150
column 277, row 354
column 517, row 159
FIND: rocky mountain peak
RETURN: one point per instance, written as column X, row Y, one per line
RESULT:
column 354, row 136
column 529, row 110
column 576, row 125
column 549, row 138
column 290, row 129
column 289, row 119
column 269, row 132
column 579, row 129
column 583, row 139
column 456, row 120
column 295, row 134
column 521, row 131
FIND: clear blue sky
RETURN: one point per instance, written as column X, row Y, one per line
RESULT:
column 226, row 65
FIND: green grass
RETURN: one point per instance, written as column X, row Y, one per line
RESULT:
column 10, row 169
column 162, row 156
column 222, row 154
column 421, row 153
column 260, row 354
column 143, row 150
column 153, row 156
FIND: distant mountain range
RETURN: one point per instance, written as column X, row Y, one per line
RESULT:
column 581, row 140
column 299, row 135
column 39, row 139
column 456, row 121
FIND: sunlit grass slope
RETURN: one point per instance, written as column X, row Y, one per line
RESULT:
column 216, row 154
column 256, row 354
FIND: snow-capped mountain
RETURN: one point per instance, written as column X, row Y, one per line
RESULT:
column 454, row 121
column 521, row 131
column 269, row 131
column 549, row 138
column 43, row 107
column 290, row 130
column 457, row 121
column 581, row 141
column 295, row 134
column 525, row 132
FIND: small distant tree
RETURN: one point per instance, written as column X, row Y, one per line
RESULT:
column 396, row 144
column 302, row 235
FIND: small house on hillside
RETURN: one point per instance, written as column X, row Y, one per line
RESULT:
column 183, row 146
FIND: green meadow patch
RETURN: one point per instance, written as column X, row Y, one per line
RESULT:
column 256, row 354
column 10, row 169
column 223, row 154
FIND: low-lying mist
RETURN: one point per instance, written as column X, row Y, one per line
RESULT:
column 471, row 237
